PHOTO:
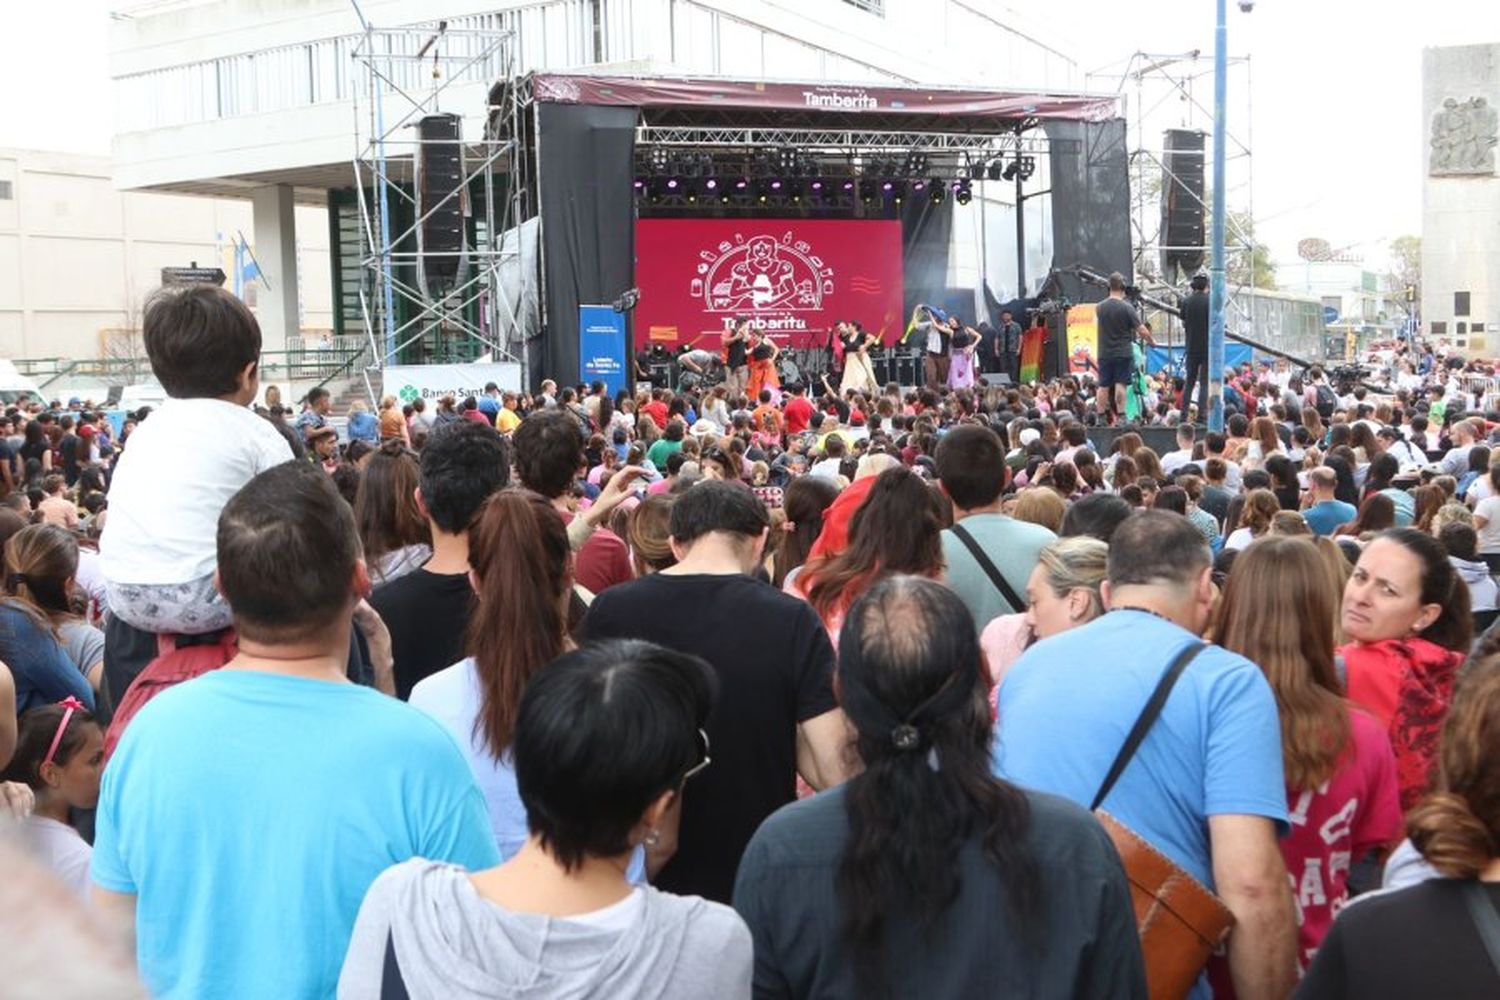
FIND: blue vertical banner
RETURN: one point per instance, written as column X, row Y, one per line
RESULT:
column 601, row 346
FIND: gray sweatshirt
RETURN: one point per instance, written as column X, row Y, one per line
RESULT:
column 452, row 944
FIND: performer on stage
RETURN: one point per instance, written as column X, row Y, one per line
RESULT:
column 1009, row 343
column 931, row 327
column 964, row 342
column 858, row 372
column 735, row 356
column 1195, row 325
column 763, row 369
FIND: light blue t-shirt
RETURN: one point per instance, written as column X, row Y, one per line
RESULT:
column 1325, row 516
column 1068, row 704
column 249, row 812
column 452, row 697
column 1013, row 546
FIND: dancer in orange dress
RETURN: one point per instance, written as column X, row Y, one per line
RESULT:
column 763, row 368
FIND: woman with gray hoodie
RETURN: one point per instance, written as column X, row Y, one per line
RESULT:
column 605, row 741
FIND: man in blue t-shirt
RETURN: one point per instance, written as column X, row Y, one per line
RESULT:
column 1325, row 512
column 244, row 813
column 1205, row 787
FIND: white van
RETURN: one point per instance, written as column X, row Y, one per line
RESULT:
column 14, row 385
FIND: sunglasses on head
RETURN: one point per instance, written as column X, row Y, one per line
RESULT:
column 698, row 767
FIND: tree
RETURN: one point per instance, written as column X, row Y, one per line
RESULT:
column 1247, row 261
column 1406, row 266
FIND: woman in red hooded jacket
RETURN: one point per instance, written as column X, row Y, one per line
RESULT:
column 1406, row 614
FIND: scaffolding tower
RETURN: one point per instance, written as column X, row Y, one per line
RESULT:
column 404, row 75
column 1175, row 91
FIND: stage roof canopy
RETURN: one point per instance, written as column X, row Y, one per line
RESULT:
column 695, row 100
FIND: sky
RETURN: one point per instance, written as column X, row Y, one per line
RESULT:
column 1335, row 126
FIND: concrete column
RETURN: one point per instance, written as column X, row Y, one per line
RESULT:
column 276, row 250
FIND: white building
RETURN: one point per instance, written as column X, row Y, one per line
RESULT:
column 1461, row 197
column 254, row 99
column 78, row 256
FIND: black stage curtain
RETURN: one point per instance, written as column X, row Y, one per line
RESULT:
column 1090, row 202
column 926, row 236
column 586, row 156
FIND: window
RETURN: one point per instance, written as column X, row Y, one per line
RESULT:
column 1439, row 328
column 1476, row 327
column 873, row 6
column 6, row 193
column 1460, row 303
column 1463, row 327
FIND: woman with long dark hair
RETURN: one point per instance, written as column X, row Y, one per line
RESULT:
column 896, row 530
column 1345, row 488
column 522, row 571
column 1278, row 612
column 607, row 740
column 925, row 875
column 394, row 534
column 1376, row 513
column 1284, row 481
column 804, row 503
column 1406, row 616
column 1427, row 940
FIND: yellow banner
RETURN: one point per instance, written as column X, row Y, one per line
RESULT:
column 1083, row 340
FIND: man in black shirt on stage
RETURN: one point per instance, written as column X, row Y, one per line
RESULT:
column 1119, row 325
column 1195, row 368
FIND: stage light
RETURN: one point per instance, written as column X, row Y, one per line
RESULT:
column 961, row 191
column 919, row 185
column 848, row 185
column 1011, row 169
column 817, row 186
column 1028, row 167
column 794, row 191
column 657, row 190
column 936, row 192
column 916, row 163
column 674, row 183
column 658, row 158
column 640, row 185
column 741, row 184
column 887, row 186
column 869, row 190
column 993, row 170
column 712, row 184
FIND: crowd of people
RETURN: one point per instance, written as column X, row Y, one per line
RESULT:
column 746, row 689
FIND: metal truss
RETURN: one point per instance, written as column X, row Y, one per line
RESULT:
column 398, row 310
column 847, row 141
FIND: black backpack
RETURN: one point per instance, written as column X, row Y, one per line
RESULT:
column 1327, row 402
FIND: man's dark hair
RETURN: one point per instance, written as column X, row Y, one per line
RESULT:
column 1095, row 515
column 1199, row 282
column 1214, row 443
column 1156, row 548
column 1461, row 540
column 462, row 465
column 1075, row 435
column 834, row 447
column 971, row 466
column 1117, row 282
column 717, row 506
column 289, row 515
column 549, row 452
column 1239, row 425
column 1256, row 479
column 316, row 396
column 199, row 339
column 600, row 734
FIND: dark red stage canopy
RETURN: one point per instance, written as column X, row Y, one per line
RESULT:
column 854, row 99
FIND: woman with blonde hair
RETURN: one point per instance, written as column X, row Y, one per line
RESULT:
column 1277, row 611
column 392, row 422
column 1434, row 939
column 1260, row 508
column 1040, row 505
column 1062, row 593
column 362, row 425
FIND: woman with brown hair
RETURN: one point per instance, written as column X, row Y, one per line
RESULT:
column 1429, row 499
column 1256, row 515
column 522, row 574
column 1314, row 424
column 1435, row 939
column 1264, row 442
column 1277, row 611
column 392, row 529
column 804, row 502
column 649, row 533
column 1377, row 512
column 1148, row 464
column 897, row 530
column 41, row 563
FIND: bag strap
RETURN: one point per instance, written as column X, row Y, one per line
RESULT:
column 990, row 569
column 1485, row 919
column 1146, row 719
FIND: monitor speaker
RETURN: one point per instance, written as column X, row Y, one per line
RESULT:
column 442, row 204
column 1182, row 214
